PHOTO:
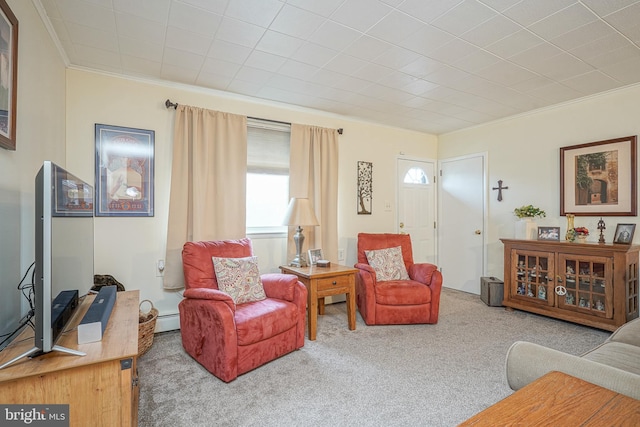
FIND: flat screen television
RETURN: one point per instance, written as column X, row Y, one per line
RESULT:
column 63, row 254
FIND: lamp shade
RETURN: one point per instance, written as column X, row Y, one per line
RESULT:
column 300, row 212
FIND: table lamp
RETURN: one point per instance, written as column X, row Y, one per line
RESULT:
column 299, row 212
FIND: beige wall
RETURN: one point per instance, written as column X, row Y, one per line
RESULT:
column 128, row 248
column 524, row 153
column 40, row 135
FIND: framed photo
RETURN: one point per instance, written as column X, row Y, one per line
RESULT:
column 314, row 256
column 548, row 233
column 8, row 76
column 624, row 233
column 599, row 178
column 72, row 196
column 124, row 171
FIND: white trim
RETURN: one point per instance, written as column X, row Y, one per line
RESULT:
column 167, row 322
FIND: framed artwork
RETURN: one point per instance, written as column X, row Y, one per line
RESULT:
column 365, row 187
column 624, row 233
column 548, row 233
column 124, row 171
column 599, row 178
column 8, row 76
column 73, row 197
column 314, row 256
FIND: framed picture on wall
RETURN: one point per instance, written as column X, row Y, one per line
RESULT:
column 8, row 76
column 124, row 171
column 599, row 178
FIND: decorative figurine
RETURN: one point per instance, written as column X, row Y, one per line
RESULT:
column 599, row 305
column 569, row 299
column 601, row 227
column 542, row 292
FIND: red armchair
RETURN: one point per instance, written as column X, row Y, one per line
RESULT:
column 396, row 302
column 229, row 339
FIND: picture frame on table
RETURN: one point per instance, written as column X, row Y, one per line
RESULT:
column 599, row 178
column 124, row 171
column 624, row 234
column 549, row 233
column 8, row 76
column 314, row 256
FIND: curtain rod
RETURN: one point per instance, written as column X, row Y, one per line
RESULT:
column 170, row 104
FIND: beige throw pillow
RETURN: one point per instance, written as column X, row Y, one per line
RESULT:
column 240, row 278
column 388, row 264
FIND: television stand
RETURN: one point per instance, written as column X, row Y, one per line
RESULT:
column 104, row 383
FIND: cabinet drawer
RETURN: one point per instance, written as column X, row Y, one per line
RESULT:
column 338, row 284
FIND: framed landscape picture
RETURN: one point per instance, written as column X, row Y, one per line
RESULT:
column 599, row 178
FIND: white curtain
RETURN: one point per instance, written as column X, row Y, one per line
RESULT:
column 313, row 174
column 208, row 175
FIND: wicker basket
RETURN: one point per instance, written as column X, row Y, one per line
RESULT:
column 146, row 327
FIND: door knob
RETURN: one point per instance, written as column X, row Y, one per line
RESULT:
column 402, row 225
column 478, row 232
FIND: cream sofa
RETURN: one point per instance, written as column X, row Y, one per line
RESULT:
column 615, row 364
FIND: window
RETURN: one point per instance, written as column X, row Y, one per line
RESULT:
column 416, row 175
column 267, row 176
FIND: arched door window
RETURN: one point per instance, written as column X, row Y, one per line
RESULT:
column 416, row 175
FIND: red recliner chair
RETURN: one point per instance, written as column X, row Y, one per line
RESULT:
column 229, row 339
column 394, row 302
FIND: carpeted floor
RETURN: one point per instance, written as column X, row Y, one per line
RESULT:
column 408, row 375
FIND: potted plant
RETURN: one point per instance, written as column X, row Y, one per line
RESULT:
column 581, row 233
column 526, row 228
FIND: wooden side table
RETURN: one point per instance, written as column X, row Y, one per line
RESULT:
column 323, row 282
column 560, row 399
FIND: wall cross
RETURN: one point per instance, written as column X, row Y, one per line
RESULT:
column 500, row 188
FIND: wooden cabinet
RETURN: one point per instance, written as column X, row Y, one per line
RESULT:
column 587, row 283
column 100, row 388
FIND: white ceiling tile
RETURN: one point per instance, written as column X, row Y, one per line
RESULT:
column 215, row 6
column 324, row 8
column 491, row 31
column 297, row 69
column 475, row 61
column 387, row 94
column 395, row 27
column 313, row 54
column 604, row 46
column 296, row 22
column 625, row 19
column 608, row 57
column 530, row 57
column 527, row 12
column 352, row 84
column 258, row 12
column 134, row 48
column 360, row 14
column 499, row 5
column 624, row 71
column 397, row 58
column 193, row 19
column 532, row 84
column 452, row 51
column 238, row 32
column 279, row 44
column 426, row 39
column 213, row 81
column 461, row 18
column 592, row 82
column 345, row 64
column 137, row 28
column 427, row 12
column 88, row 15
column 326, row 77
column 334, row 35
column 372, row 72
column 180, row 39
column 422, row 66
column 221, row 49
column 141, row 66
column 219, row 67
column 447, row 76
column 397, row 80
column 556, row 92
column 367, row 48
column 605, row 7
column 264, row 61
column 153, row 10
column 106, row 40
column 561, row 67
column 95, row 56
column 584, row 34
column 253, row 75
column 514, row 44
column 418, row 87
column 182, row 59
column 51, row 9
column 574, row 16
column 505, row 73
column 243, row 87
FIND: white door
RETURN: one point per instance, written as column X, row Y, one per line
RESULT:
column 417, row 207
column 462, row 201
